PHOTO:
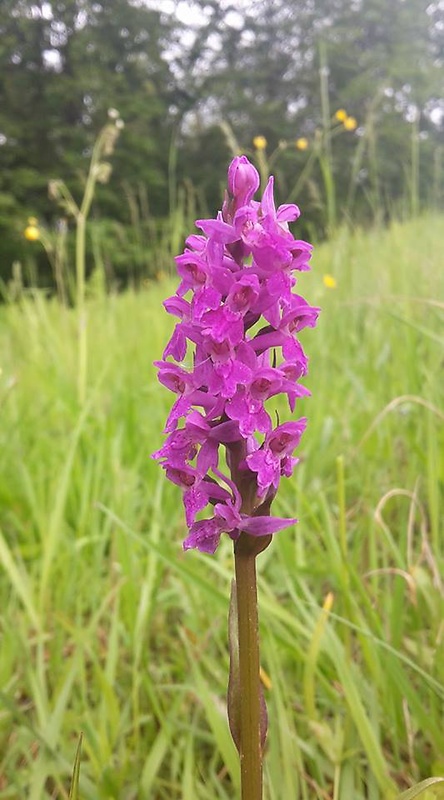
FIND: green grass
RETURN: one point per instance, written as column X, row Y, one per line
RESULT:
column 109, row 629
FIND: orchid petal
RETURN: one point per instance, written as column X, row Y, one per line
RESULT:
column 263, row 526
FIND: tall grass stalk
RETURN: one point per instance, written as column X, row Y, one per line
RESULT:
column 325, row 155
column 367, row 145
column 414, row 178
column 99, row 171
column 438, row 188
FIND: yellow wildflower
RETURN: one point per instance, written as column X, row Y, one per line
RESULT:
column 31, row 232
column 329, row 281
column 260, row 142
column 350, row 124
column 302, row 143
column 341, row 115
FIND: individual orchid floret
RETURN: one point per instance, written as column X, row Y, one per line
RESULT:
column 274, row 455
column 228, row 518
column 243, row 180
column 233, row 351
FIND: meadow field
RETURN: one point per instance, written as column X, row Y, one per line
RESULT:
column 109, row 629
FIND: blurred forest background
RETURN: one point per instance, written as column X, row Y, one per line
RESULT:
column 195, row 81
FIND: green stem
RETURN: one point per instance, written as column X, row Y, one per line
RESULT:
column 414, row 189
column 263, row 166
column 326, row 161
column 325, row 99
column 345, row 575
column 82, row 366
column 249, row 666
column 304, row 174
column 81, row 217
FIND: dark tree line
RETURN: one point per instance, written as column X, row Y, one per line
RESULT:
column 269, row 68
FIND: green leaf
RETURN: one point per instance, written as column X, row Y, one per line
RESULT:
column 20, row 581
column 74, row 791
column 416, row 791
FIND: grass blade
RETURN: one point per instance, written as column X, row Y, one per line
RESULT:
column 74, row 791
column 416, row 791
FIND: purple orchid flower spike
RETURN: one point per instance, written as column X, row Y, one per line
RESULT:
column 240, row 270
column 233, row 351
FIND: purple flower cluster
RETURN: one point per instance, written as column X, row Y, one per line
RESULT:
column 239, row 317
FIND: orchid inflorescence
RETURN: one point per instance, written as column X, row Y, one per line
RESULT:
column 240, row 317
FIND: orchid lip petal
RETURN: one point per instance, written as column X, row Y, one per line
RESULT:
column 263, row 526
